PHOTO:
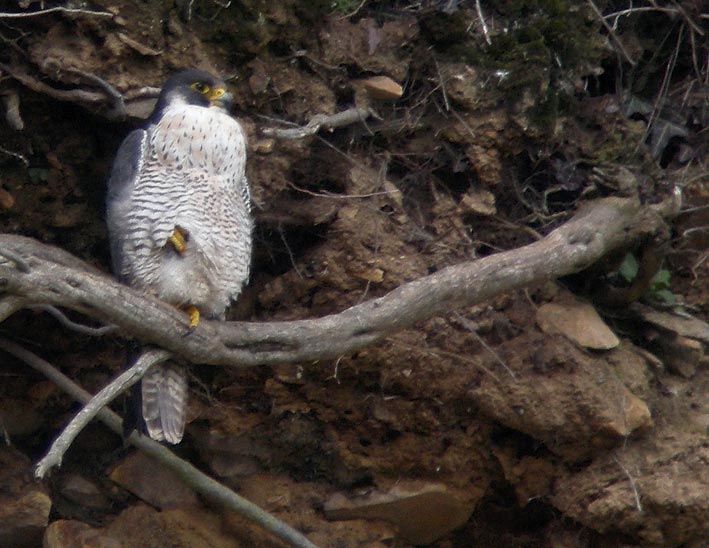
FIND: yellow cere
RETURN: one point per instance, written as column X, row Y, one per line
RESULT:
column 216, row 93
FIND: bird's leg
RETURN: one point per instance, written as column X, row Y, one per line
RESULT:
column 194, row 319
column 178, row 239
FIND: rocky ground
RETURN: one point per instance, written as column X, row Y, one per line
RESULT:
column 573, row 413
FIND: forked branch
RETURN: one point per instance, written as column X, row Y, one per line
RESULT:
column 56, row 278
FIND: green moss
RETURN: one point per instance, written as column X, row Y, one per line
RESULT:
column 345, row 6
column 547, row 47
column 554, row 33
column 446, row 30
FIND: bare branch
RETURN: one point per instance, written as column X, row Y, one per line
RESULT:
column 332, row 121
column 193, row 478
column 58, row 279
column 107, row 394
column 141, row 93
column 11, row 99
column 61, row 9
column 71, row 95
column 66, row 322
column 17, row 155
column 118, row 109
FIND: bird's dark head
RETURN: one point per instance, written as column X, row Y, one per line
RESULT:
column 193, row 87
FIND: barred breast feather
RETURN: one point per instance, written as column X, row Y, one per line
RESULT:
column 186, row 172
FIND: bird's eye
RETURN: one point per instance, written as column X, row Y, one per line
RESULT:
column 200, row 87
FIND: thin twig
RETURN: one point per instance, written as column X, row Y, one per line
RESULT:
column 107, row 394
column 612, row 34
column 191, row 476
column 638, row 504
column 630, row 11
column 453, row 355
column 17, row 155
column 473, row 329
column 664, row 86
column 289, row 251
column 66, row 322
column 486, row 32
column 443, row 84
column 356, row 10
column 61, row 9
column 326, row 194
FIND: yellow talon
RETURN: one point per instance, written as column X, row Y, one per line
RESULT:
column 178, row 240
column 194, row 317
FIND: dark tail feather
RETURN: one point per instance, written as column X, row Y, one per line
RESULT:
column 164, row 398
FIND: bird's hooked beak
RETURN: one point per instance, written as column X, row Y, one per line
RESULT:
column 220, row 97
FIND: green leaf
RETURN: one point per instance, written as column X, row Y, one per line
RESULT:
column 661, row 279
column 629, row 269
column 666, row 296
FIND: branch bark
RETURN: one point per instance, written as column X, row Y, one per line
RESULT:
column 59, row 279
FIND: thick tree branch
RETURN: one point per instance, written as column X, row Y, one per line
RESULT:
column 57, row 278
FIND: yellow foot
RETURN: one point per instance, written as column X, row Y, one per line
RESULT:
column 179, row 240
column 194, row 319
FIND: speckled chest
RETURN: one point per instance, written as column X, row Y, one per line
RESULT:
column 192, row 137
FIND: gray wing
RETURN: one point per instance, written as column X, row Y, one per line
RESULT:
column 124, row 173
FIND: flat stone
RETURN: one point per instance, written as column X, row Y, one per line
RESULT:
column 681, row 354
column 152, row 482
column 23, row 521
column 578, row 321
column 19, row 417
column 66, row 533
column 83, row 492
column 685, row 326
column 24, row 504
column 143, row 527
column 382, row 87
column 573, row 401
column 478, row 201
column 422, row 514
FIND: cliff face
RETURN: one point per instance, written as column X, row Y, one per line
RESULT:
column 564, row 414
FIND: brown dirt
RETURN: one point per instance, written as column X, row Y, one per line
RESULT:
column 547, row 443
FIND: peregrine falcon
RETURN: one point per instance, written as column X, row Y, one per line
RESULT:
column 179, row 223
